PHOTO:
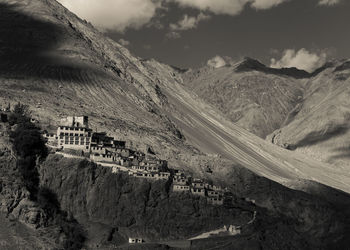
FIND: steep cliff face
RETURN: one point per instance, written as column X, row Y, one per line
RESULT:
column 136, row 207
column 30, row 216
column 15, row 197
column 113, row 207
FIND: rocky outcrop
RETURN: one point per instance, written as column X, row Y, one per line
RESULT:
column 124, row 206
column 14, row 197
column 26, row 207
column 135, row 207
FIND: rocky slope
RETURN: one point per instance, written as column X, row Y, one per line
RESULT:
column 319, row 125
column 250, row 94
column 27, row 222
column 302, row 111
column 108, row 208
column 60, row 65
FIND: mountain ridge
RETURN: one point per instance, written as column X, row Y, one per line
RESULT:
column 239, row 95
column 143, row 101
column 148, row 104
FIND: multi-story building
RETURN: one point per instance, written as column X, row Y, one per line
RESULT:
column 180, row 180
column 197, row 183
column 100, row 139
column 181, row 188
column 74, row 133
column 198, row 191
column 213, row 193
column 75, row 121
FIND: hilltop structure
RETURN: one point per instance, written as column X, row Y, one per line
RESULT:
column 74, row 133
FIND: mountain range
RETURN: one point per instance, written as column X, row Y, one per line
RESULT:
column 299, row 111
column 278, row 136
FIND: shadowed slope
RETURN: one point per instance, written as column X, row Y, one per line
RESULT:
column 133, row 96
column 28, row 47
column 250, row 64
column 51, row 58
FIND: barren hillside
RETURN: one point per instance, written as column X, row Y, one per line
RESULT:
column 319, row 125
column 62, row 65
column 251, row 95
column 309, row 112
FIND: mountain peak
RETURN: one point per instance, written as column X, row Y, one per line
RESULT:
column 250, row 64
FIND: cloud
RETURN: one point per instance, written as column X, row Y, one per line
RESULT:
column 188, row 22
column 124, row 42
column 302, row 59
column 329, row 2
column 114, row 14
column 120, row 15
column 173, row 35
column 228, row 7
column 216, row 62
column 266, row 4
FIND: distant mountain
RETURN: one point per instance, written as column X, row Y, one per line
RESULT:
column 249, row 64
column 319, row 125
column 250, row 94
column 304, row 111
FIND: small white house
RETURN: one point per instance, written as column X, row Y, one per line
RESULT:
column 234, row 230
column 135, row 240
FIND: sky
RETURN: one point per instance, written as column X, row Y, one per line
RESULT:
column 191, row 33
